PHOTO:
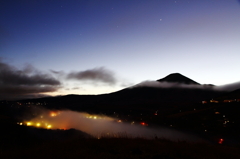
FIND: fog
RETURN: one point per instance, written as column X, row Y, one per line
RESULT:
column 157, row 84
column 169, row 85
column 229, row 87
column 100, row 125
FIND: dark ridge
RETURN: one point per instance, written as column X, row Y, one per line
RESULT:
column 231, row 95
column 209, row 85
column 178, row 78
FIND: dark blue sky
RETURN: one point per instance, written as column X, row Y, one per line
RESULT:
column 129, row 41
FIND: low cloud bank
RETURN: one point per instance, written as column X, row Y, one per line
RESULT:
column 229, row 87
column 171, row 85
column 98, row 125
column 156, row 84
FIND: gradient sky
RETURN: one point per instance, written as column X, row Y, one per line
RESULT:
column 93, row 46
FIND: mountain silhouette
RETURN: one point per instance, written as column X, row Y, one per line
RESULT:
column 139, row 97
column 178, row 78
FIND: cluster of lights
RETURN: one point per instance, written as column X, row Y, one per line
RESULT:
column 41, row 124
column 93, row 117
column 44, row 124
column 36, row 124
column 44, row 120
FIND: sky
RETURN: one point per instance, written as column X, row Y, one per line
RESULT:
column 58, row 47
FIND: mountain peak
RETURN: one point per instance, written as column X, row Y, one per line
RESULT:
column 178, row 78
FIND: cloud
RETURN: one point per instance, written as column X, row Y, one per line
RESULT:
column 229, row 87
column 57, row 72
column 156, row 84
column 100, row 74
column 23, row 92
column 27, row 76
column 74, row 88
column 29, row 81
column 171, row 85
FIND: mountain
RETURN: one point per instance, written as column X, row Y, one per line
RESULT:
column 150, row 96
column 178, row 78
column 138, row 97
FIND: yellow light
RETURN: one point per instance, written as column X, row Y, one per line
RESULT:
column 38, row 124
column 94, row 117
column 29, row 123
column 49, row 126
column 20, row 123
column 53, row 114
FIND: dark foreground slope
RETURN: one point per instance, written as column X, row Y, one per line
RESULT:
column 26, row 142
column 121, row 148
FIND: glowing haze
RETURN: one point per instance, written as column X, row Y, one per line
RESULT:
column 62, row 47
column 100, row 125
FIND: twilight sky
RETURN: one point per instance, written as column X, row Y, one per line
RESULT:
column 91, row 47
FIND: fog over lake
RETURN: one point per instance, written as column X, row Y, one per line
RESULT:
column 101, row 125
